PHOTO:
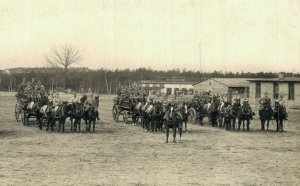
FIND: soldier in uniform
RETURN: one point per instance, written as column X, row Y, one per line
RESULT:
column 23, row 85
column 74, row 98
column 236, row 97
column 56, row 101
column 282, row 102
column 264, row 101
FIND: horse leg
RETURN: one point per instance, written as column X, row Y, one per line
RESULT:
column 94, row 123
column 262, row 121
column 243, row 125
column 167, row 133
column 277, row 125
column 233, row 123
column 240, row 123
column 281, row 125
column 63, row 124
column 174, row 133
column 248, row 124
column 180, row 133
column 268, row 121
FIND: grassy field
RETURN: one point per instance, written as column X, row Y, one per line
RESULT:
column 122, row 154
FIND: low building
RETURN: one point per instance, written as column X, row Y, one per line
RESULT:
column 167, row 87
column 224, row 86
column 288, row 87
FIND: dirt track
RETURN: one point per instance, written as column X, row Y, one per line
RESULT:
column 122, row 154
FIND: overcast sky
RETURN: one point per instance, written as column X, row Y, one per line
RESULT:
column 228, row 35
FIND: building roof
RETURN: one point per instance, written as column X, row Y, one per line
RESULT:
column 230, row 82
column 166, row 82
column 286, row 79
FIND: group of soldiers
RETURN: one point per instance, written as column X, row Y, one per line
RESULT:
column 32, row 89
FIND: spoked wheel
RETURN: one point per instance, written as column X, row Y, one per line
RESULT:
column 192, row 115
column 17, row 112
column 115, row 113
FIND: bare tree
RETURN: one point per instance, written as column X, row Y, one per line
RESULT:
column 64, row 57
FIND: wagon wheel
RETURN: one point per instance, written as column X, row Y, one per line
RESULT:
column 192, row 115
column 17, row 112
column 125, row 116
column 115, row 113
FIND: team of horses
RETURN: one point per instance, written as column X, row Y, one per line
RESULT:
column 46, row 114
column 230, row 116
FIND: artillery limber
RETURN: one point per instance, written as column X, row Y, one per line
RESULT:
column 127, row 107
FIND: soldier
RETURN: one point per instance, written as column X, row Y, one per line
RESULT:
column 246, row 114
column 236, row 97
column 264, row 101
column 33, row 82
column 74, row 98
column 91, row 102
column 282, row 102
column 50, row 98
column 56, row 101
column 23, row 85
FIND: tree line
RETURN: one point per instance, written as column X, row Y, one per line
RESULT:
column 105, row 81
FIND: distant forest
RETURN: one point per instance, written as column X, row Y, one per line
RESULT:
column 105, row 81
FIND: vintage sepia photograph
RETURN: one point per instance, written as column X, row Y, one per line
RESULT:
column 149, row 92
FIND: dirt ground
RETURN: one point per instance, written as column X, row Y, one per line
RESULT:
column 122, row 154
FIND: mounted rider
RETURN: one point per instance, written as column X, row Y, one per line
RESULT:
column 265, row 101
column 236, row 99
column 56, row 102
column 91, row 102
column 282, row 102
column 246, row 107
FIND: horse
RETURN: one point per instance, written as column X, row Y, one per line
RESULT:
column 227, row 117
column 221, row 109
column 236, row 107
column 184, row 110
column 90, row 116
column 77, row 115
column 42, row 112
column 172, row 120
column 74, row 111
column 145, row 117
column 201, row 111
column 57, row 114
column 29, row 110
column 266, row 114
column 156, row 117
column 245, row 115
column 213, row 112
column 136, row 112
column 279, row 115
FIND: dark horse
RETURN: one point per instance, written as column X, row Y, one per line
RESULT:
column 279, row 115
column 43, row 111
column 74, row 111
column 156, row 117
column 245, row 116
column 173, row 121
column 265, row 114
column 184, row 110
column 57, row 114
column 213, row 112
column 236, row 108
column 89, row 115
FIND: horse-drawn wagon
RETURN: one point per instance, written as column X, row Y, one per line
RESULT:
column 125, row 107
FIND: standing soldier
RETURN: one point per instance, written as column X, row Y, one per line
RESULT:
column 23, row 85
